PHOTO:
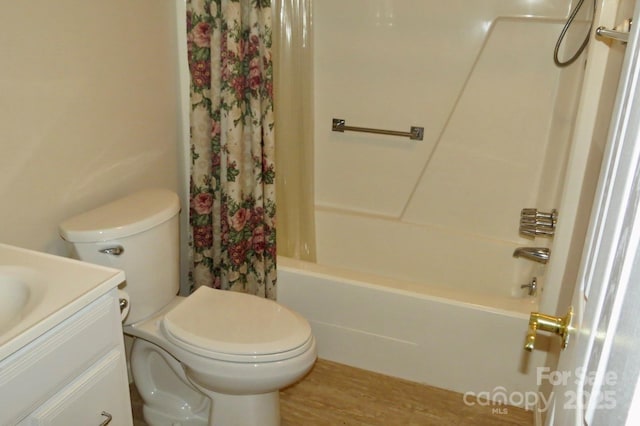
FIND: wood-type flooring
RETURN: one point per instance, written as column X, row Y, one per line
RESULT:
column 333, row 394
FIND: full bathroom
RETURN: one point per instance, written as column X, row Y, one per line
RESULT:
column 406, row 256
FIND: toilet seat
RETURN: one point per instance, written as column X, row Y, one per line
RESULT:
column 236, row 327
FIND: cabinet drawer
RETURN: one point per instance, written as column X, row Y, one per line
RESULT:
column 58, row 356
column 83, row 401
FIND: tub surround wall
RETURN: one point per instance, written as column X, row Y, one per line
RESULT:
column 487, row 162
column 478, row 82
column 481, row 79
column 90, row 110
column 427, row 256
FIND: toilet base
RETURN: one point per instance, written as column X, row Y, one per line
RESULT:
column 155, row 417
column 245, row 410
column 232, row 410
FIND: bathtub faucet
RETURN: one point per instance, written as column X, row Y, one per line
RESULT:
column 537, row 254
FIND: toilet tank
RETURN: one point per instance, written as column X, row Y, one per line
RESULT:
column 138, row 234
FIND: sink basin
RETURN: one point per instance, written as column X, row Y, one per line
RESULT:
column 39, row 290
column 20, row 292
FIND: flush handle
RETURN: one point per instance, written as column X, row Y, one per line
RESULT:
column 113, row 251
column 124, row 303
column 556, row 325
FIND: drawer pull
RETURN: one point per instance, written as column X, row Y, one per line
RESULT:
column 108, row 419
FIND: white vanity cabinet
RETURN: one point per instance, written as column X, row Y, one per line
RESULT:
column 73, row 374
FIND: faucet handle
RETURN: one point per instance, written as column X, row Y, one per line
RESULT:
column 537, row 214
column 534, row 222
column 533, row 230
column 528, row 231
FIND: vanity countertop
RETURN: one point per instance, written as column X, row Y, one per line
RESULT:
column 39, row 290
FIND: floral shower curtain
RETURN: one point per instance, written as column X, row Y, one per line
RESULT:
column 232, row 200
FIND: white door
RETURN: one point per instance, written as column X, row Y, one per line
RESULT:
column 596, row 382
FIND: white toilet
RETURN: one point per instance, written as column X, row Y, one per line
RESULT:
column 214, row 357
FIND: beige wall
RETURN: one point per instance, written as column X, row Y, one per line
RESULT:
column 89, row 109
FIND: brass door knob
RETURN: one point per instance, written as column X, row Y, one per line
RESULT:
column 556, row 325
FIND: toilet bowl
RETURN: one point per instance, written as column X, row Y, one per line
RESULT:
column 214, row 357
column 242, row 384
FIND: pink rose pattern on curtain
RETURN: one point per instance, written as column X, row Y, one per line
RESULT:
column 232, row 200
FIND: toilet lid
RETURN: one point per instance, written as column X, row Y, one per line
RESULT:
column 228, row 322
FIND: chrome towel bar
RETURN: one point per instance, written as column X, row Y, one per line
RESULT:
column 416, row 133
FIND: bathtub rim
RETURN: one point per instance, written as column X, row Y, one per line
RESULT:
column 509, row 306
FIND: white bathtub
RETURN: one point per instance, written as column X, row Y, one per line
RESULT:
column 432, row 335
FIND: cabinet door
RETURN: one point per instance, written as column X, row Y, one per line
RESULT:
column 40, row 369
column 91, row 399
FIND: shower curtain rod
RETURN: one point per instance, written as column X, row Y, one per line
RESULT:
column 612, row 34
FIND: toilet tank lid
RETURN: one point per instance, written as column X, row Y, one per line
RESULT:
column 127, row 216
